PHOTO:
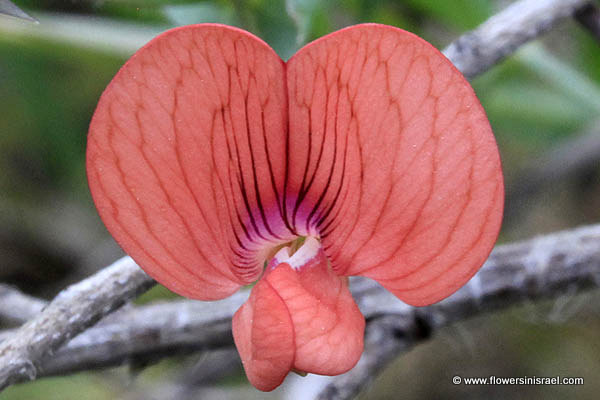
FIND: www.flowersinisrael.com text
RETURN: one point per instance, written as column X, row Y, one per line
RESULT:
column 520, row 380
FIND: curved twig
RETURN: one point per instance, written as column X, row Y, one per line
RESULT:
column 72, row 311
column 476, row 51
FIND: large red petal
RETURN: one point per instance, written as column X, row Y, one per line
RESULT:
column 387, row 156
column 179, row 157
column 393, row 161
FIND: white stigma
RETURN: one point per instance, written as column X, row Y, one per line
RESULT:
column 308, row 250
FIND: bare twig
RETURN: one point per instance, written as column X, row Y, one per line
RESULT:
column 96, row 33
column 589, row 18
column 524, row 20
column 546, row 266
column 73, row 310
column 17, row 307
column 148, row 332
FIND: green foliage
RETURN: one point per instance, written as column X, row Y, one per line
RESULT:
column 158, row 292
column 47, row 98
column 458, row 14
column 74, row 387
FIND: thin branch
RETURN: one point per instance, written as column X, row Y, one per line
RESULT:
column 546, row 266
column 499, row 36
column 589, row 18
column 17, row 307
column 73, row 310
column 95, row 33
column 148, row 332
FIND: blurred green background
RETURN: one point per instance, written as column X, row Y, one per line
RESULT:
column 541, row 103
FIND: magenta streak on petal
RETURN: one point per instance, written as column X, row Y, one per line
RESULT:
column 254, row 249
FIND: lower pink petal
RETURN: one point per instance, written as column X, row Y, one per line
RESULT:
column 306, row 312
column 328, row 326
column 264, row 337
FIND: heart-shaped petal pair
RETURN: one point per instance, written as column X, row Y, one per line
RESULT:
column 207, row 153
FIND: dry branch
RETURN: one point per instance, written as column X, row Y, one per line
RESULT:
column 543, row 267
column 73, row 310
column 17, row 307
column 499, row 36
column 147, row 333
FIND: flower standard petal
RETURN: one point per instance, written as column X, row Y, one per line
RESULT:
column 180, row 154
column 401, row 178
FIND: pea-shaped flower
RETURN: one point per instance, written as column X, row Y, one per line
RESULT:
column 215, row 164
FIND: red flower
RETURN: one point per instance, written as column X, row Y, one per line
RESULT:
column 210, row 158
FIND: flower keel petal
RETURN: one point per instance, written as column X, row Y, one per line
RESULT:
column 264, row 337
column 327, row 328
